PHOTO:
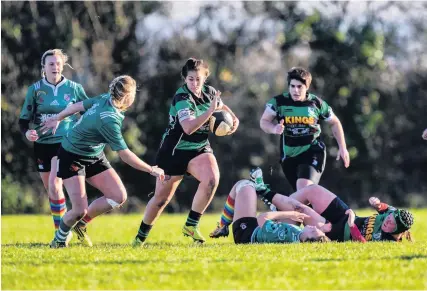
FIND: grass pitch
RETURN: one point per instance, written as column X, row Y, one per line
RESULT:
column 172, row 261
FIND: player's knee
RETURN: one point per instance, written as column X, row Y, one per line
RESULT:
column 55, row 186
column 213, row 184
column 245, row 192
column 116, row 203
column 244, row 185
column 302, row 183
column 162, row 202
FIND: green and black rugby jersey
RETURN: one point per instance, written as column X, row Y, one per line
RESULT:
column 44, row 100
column 100, row 124
column 186, row 105
column 301, row 121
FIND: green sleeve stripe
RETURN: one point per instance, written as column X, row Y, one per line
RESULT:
column 110, row 114
column 183, row 105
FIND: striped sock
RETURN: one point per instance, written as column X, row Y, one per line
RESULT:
column 193, row 218
column 144, row 230
column 84, row 221
column 62, row 232
column 58, row 209
column 228, row 212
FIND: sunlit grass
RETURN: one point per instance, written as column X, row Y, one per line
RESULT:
column 172, row 261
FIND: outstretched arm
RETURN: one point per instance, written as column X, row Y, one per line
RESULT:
column 379, row 206
column 280, row 216
column 283, row 202
column 53, row 122
column 132, row 160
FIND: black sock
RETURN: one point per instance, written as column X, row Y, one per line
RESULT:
column 193, row 218
column 144, row 230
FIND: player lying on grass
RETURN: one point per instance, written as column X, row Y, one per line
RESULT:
column 268, row 227
column 340, row 222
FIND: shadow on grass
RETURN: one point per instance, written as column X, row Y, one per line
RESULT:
column 407, row 258
column 26, row 245
column 109, row 245
column 84, row 261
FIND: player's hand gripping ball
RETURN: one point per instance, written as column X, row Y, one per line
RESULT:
column 221, row 123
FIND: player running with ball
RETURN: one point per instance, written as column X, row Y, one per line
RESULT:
column 185, row 149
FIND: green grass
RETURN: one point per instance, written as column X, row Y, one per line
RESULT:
column 171, row 261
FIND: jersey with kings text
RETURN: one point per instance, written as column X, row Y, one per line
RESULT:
column 301, row 121
column 370, row 227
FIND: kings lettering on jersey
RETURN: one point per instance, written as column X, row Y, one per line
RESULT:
column 300, row 120
column 368, row 227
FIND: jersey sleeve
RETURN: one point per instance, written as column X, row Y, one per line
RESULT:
column 80, row 93
column 326, row 112
column 185, row 108
column 271, row 106
column 112, row 133
column 28, row 107
column 88, row 103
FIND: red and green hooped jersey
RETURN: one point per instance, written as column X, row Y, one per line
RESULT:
column 44, row 100
column 301, row 121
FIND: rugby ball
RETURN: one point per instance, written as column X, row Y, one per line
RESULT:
column 221, row 123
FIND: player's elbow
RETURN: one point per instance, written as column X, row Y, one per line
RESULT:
column 123, row 154
column 187, row 128
column 262, row 125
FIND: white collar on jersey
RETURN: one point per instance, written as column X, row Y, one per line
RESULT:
column 55, row 88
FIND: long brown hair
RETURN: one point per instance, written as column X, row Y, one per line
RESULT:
column 123, row 91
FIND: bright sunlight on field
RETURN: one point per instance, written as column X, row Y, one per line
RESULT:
column 171, row 261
